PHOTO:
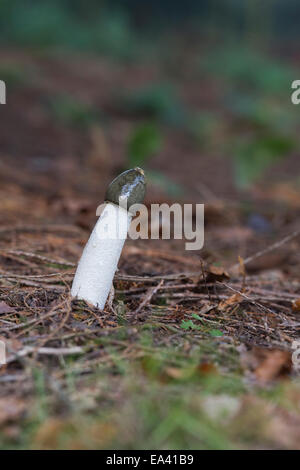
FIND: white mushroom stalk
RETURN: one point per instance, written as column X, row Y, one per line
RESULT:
column 99, row 261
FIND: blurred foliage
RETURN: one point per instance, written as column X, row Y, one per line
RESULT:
column 253, row 85
column 207, row 129
column 258, row 125
column 144, row 142
column 34, row 21
column 65, row 24
column 263, row 112
column 158, row 101
column 253, row 156
column 72, row 112
column 248, row 70
column 165, row 184
column 15, row 75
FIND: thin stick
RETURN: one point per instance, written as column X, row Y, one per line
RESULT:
column 204, row 279
column 247, row 298
column 70, row 229
column 151, row 292
column 270, row 248
column 47, row 351
column 45, row 259
column 182, row 275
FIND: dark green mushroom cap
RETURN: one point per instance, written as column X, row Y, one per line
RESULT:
column 127, row 188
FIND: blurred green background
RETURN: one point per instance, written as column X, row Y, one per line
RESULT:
column 222, row 80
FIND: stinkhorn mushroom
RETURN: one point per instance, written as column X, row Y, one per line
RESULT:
column 97, row 266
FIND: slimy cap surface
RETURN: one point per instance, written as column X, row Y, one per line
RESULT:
column 128, row 188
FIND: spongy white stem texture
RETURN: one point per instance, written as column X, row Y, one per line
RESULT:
column 98, row 263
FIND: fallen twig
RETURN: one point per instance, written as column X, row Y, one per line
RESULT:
column 151, row 292
column 270, row 248
column 46, row 351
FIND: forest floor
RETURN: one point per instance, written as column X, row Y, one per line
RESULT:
column 196, row 349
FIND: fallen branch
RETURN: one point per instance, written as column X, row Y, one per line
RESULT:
column 270, row 248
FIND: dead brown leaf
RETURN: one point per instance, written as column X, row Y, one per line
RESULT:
column 230, row 302
column 274, row 364
column 216, row 273
column 296, row 305
column 175, row 372
column 206, row 368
